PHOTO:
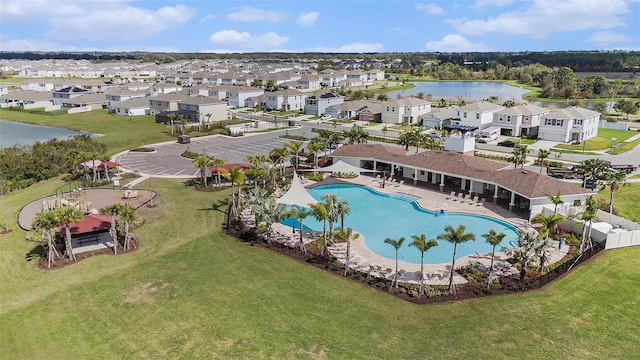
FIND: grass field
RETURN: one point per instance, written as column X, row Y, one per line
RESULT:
column 192, row 292
column 121, row 132
column 602, row 141
column 625, row 200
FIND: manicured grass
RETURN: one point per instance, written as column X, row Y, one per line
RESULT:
column 121, row 132
column 624, row 147
column 523, row 141
column 625, row 200
column 602, row 141
column 192, row 292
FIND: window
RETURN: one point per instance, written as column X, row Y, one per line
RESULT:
column 464, row 115
column 509, row 118
column 421, row 172
column 477, row 116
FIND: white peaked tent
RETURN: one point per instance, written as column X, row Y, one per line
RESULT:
column 342, row 167
column 297, row 194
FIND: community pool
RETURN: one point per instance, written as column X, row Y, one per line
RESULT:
column 379, row 216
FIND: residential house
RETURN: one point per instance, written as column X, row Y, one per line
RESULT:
column 370, row 112
column 94, row 100
column 373, row 75
column 285, row 100
column 165, row 102
column 115, row 95
column 477, row 114
column 132, row 107
column 4, row 90
column 256, row 101
column 59, row 96
column 519, row 120
column 347, row 109
column 236, row 95
column 25, row 98
column 570, row 124
column 407, row 110
column 37, row 85
column 317, row 104
column 166, row 88
column 206, row 109
column 309, row 83
column 439, row 117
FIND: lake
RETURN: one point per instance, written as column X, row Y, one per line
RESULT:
column 470, row 90
column 16, row 133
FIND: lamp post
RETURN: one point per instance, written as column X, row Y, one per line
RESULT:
column 613, row 142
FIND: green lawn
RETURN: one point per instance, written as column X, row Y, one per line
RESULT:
column 523, row 141
column 624, row 147
column 192, row 292
column 625, row 200
column 121, row 132
column 602, row 141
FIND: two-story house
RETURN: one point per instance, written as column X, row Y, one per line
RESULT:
column 309, row 83
column 317, row 104
column 477, row 114
column 165, row 88
column 165, row 102
column 570, row 124
column 407, row 110
column 205, row 109
column 285, row 100
column 437, row 118
column 236, row 95
column 59, row 96
column 519, row 120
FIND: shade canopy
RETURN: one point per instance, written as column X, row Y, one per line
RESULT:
column 342, row 167
column 99, row 164
column 297, row 194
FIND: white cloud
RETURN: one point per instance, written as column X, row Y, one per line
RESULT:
column 308, row 19
column 11, row 44
column 430, row 8
column 483, row 3
column 608, row 37
column 207, row 17
column 247, row 41
column 19, row 10
column 455, row 43
column 545, row 17
column 356, row 47
column 249, row 14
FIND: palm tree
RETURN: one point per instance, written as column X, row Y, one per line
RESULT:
column 615, row 179
column 46, row 222
column 127, row 215
column 272, row 212
column 548, row 222
column 343, row 209
column 528, row 250
column 295, row 148
column 347, row 235
column 65, row 216
column 588, row 215
column 171, row 117
column 300, row 213
column 321, row 212
column 254, row 199
column 333, row 200
column 455, row 236
column 208, row 120
column 543, row 155
column 279, row 155
column 314, row 147
column 203, row 163
column 556, row 200
column 594, row 169
column 218, row 162
column 493, row 239
column 325, row 135
column 384, row 131
column 396, row 245
column 422, row 244
column 519, row 156
column 236, row 177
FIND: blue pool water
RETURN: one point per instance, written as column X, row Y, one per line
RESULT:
column 379, row 216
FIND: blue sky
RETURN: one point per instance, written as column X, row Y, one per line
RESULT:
column 319, row 26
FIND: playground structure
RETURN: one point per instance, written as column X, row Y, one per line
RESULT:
column 69, row 194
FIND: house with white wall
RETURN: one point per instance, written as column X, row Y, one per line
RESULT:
column 285, row 99
column 568, row 125
column 203, row 107
column 439, row 117
column 132, row 107
column 165, row 102
column 519, row 120
column 236, row 95
column 407, row 110
column 59, row 96
column 478, row 114
column 309, row 83
column 165, row 88
column 37, row 85
column 116, row 95
column 317, row 104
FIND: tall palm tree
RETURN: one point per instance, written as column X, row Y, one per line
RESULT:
column 343, row 209
column 218, row 162
column 333, row 200
column 543, row 155
column 47, row 222
column 421, row 243
column 295, row 148
column 589, row 214
column 314, row 147
column 203, row 163
column 113, row 210
column 300, row 213
column 397, row 244
column 594, row 169
column 556, row 200
column 455, row 236
column 548, row 223
column 279, row 155
column 615, row 179
column 325, row 135
column 519, row 156
column 65, row 216
column 321, row 212
column 493, row 239
column 171, row 118
column 347, row 235
column 236, row 177
column 272, row 212
column 527, row 251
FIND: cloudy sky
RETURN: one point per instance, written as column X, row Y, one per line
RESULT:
column 319, row 26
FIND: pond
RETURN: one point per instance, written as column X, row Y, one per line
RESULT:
column 16, row 133
column 470, row 90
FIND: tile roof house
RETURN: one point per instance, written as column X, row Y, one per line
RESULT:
column 519, row 188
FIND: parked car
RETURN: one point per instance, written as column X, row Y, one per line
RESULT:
column 507, row 143
column 484, row 140
column 435, row 135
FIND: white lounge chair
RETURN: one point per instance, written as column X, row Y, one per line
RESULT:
column 452, row 195
column 399, row 183
column 461, row 196
column 474, row 201
column 482, row 201
column 377, row 178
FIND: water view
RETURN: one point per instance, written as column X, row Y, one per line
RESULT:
column 470, row 90
column 16, row 133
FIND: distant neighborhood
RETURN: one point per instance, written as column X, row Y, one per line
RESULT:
column 203, row 91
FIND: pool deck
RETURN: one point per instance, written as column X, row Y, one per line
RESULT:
column 435, row 274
